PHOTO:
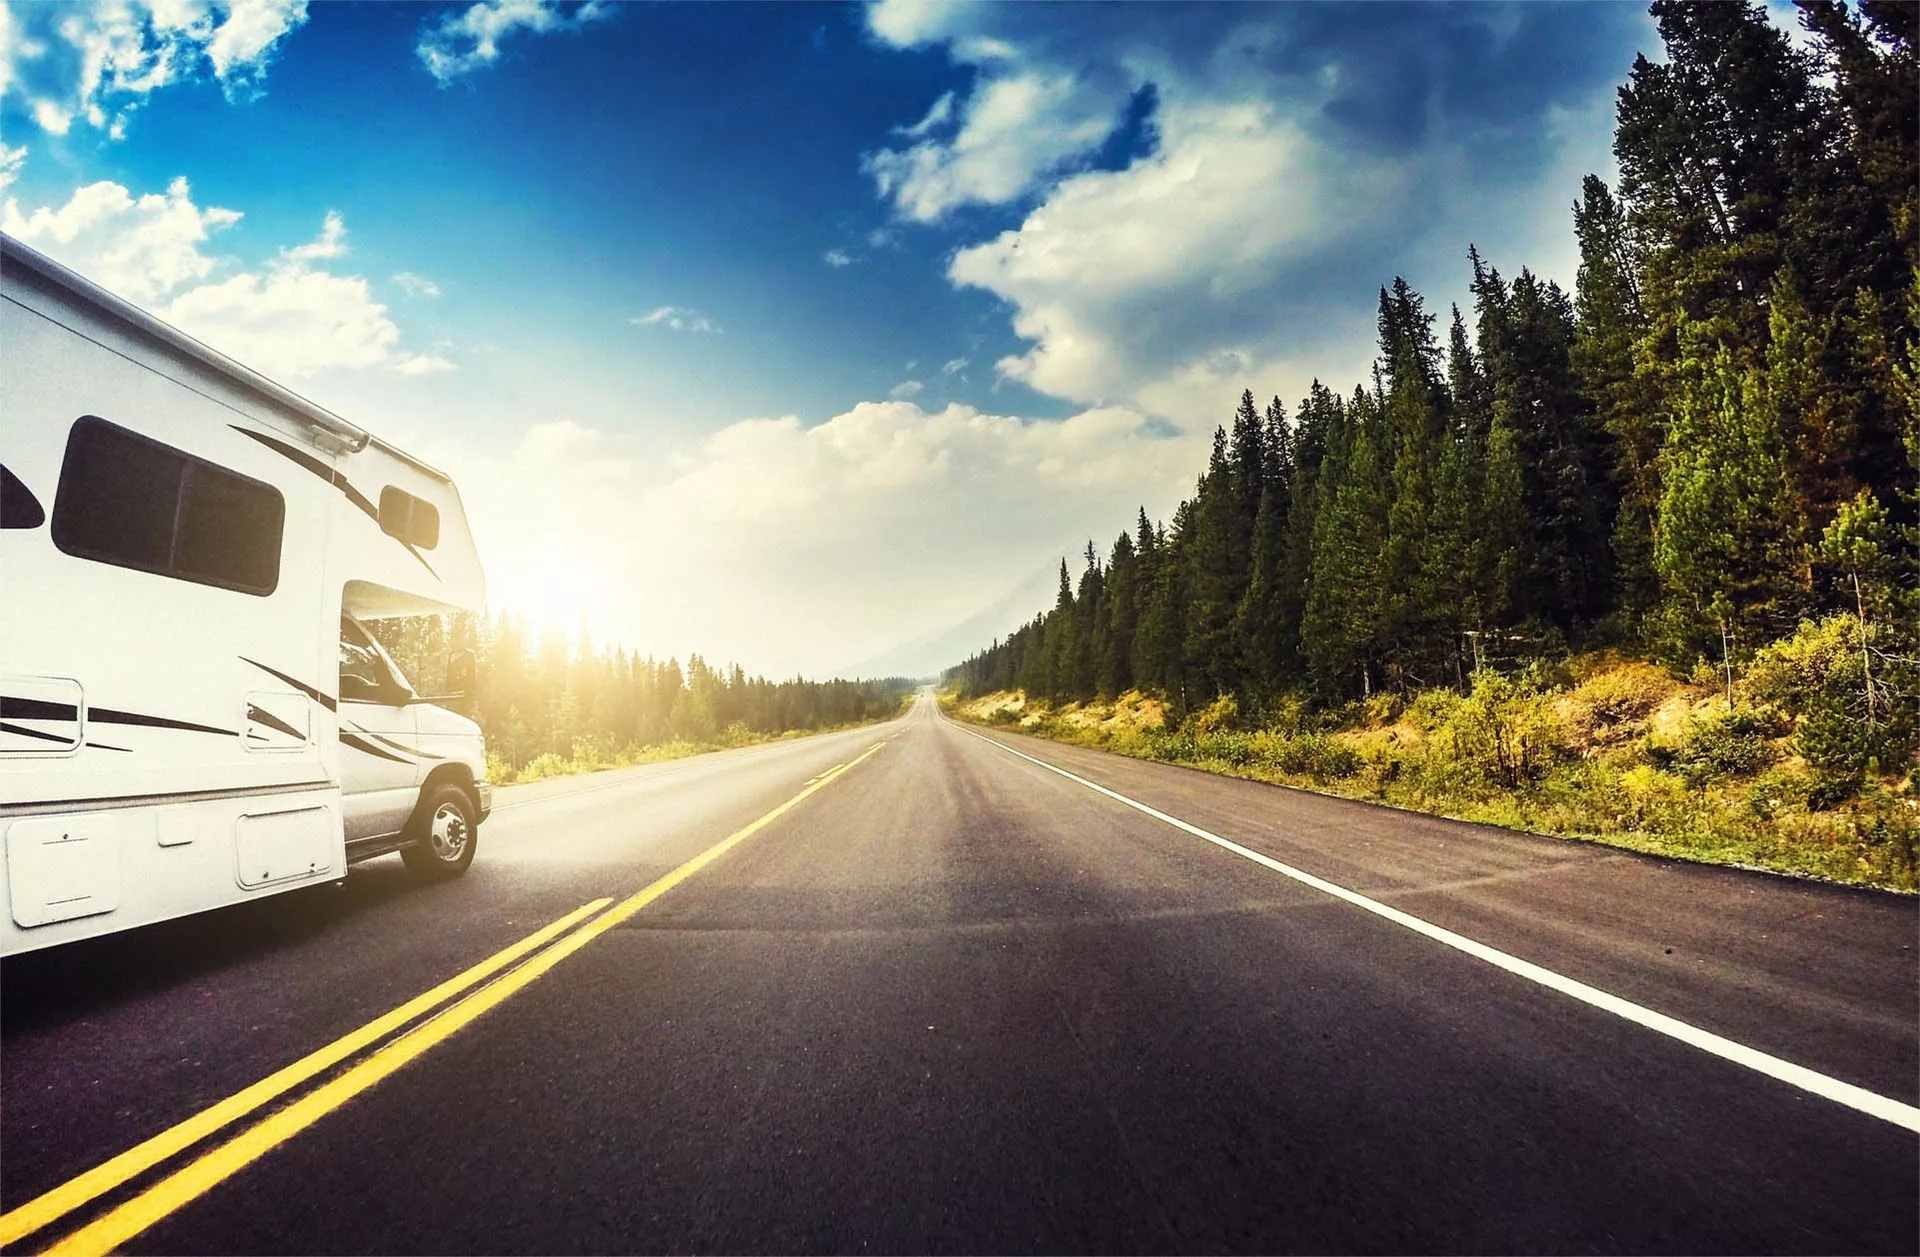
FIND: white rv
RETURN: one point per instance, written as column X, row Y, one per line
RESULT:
column 192, row 712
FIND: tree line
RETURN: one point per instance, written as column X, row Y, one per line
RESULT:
column 538, row 694
column 1711, row 439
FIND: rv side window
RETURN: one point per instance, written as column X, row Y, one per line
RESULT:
column 133, row 502
column 415, row 521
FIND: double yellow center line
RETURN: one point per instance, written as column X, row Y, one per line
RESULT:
column 124, row 1221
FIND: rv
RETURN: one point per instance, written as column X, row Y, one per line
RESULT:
column 193, row 712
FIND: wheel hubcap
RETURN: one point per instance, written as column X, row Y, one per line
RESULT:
column 449, row 832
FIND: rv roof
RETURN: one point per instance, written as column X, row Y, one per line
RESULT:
column 14, row 253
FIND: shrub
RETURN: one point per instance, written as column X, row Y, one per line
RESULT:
column 1219, row 714
column 544, row 766
column 1648, row 796
column 1623, row 693
column 1506, row 729
column 1819, row 675
column 1382, row 709
column 1431, row 709
column 1315, row 755
column 1729, row 745
column 1821, row 659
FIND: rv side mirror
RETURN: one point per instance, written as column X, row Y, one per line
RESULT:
column 460, row 672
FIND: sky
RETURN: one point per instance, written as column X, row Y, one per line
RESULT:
column 808, row 336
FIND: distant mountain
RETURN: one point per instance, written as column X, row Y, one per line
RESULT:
column 933, row 653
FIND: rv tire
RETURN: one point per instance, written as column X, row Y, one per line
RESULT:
column 446, row 831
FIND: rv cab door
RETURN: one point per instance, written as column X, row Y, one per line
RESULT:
column 380, row 769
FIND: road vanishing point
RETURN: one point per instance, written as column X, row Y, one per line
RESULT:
column 918, row 987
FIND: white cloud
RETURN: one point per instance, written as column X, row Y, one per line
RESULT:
column 416, row 285
column 1015, row 130
column 1179, row 252
column 11, row 159
column 288, row 318
column 331, row 243
column 954, row 366
column 143, row 248
column 935, row 512
column 905, row 390
column 98, row 63
column 470, row 39
column 422, row 364
column 11, row 47
column 675, row 319
column 838, row 258
column 51, row 118
column 937, row 116
column 1286, row 162
column 243, row 41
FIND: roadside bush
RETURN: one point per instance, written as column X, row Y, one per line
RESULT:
column 543, row 766
column 1821, row 660
column 1819, row 675
column 1431, row 709
column 1506, row 729
column 1733, row 744
column 1215, row 716
column 1288, row 716
column 1315, row 755
column 1621, row 694
column 1649, row 798
column 1383, row 709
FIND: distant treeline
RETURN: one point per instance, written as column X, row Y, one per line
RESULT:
column 1713, row 439
column 538, row 695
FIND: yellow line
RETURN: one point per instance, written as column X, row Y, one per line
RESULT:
column 115, row 1228
column 49, row 1208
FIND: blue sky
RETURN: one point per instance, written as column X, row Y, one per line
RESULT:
column 793, row 333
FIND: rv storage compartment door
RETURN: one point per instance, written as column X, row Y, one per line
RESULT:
column 278, row 846
column 61, row 867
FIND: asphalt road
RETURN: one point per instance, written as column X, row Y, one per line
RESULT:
column 953, row 1001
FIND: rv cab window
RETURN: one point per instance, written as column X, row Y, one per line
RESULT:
column 367, row 674
column 133, row 502
column 360, row 675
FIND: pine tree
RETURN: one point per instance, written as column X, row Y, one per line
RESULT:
column 1721, row 507
column 1416, row 628
column 1123, row 602
column 1340, row 630
column 1266, row 638
column 1215, row 575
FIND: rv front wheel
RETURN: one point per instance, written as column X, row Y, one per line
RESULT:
column 448, row 834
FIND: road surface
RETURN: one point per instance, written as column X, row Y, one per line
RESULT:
column 947, row 998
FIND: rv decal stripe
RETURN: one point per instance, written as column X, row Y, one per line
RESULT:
column 335, row 478
column 317, row 466
column 107, row 716
column 36, row 709
column 302, row 686
column 23, row 731
column 398, row 746
column 423, row 559
column 361, row 744
column 48, row 737
column 260, row 715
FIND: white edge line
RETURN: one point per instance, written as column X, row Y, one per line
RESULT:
column 1860, row 1099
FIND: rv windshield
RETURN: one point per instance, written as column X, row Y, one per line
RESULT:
column 357, row 642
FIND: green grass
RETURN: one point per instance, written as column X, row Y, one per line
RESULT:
column 1624, row 757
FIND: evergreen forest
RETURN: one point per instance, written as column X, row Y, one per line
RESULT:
column 1706, row 452
column 549, row 707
